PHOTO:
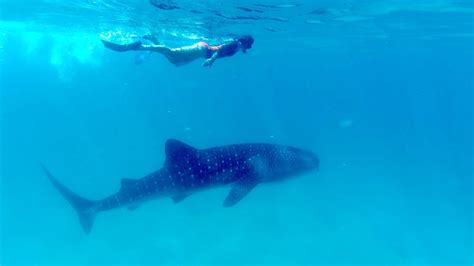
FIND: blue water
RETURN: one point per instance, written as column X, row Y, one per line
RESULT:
column 380, row 90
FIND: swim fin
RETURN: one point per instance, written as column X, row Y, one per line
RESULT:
column 151, row 38
column 122, row 47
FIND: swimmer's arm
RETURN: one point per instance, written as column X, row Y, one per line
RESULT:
column 210, row 61
column 221, row 52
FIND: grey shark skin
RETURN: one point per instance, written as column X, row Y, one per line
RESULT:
column 188, row 170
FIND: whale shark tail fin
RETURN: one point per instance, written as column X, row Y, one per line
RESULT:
column 85, row 209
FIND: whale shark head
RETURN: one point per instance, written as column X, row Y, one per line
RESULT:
column 285, row 161
column 291, row 160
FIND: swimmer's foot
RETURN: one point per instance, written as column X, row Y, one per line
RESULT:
column 122, row 47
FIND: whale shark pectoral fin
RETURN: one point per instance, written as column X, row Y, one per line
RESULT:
column 239, row 190
column 179, row 198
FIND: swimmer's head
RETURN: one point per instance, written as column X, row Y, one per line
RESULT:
column 246, row 41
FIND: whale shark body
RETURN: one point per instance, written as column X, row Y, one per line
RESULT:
column 188, row 170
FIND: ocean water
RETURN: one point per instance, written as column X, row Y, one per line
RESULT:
column 382, row 91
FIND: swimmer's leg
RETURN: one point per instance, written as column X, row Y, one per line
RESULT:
column 156, row 48
column 172, row 54
column 136, row 46
column 151, row 38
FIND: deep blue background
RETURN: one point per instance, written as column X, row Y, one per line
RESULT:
column 390, row 117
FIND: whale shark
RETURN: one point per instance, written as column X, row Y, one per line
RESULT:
column 188, row 170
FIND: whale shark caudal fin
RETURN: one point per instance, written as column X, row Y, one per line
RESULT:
column 86, row 209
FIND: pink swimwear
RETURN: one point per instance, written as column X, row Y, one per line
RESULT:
column 211, row 49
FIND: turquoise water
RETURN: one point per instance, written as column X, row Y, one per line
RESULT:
column 380, row 90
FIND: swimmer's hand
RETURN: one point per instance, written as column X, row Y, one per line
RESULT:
column 208, row 63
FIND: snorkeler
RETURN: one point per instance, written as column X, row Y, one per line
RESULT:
column 183, row 55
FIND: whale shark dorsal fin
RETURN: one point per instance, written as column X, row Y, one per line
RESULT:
column 127, row 183
column 239, row 190
column 176, row 150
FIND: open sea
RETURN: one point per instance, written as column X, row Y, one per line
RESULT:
column 382, row 91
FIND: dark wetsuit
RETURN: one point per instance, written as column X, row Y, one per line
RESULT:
column 229, row 49
column 222, row 50
column 210, row 49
